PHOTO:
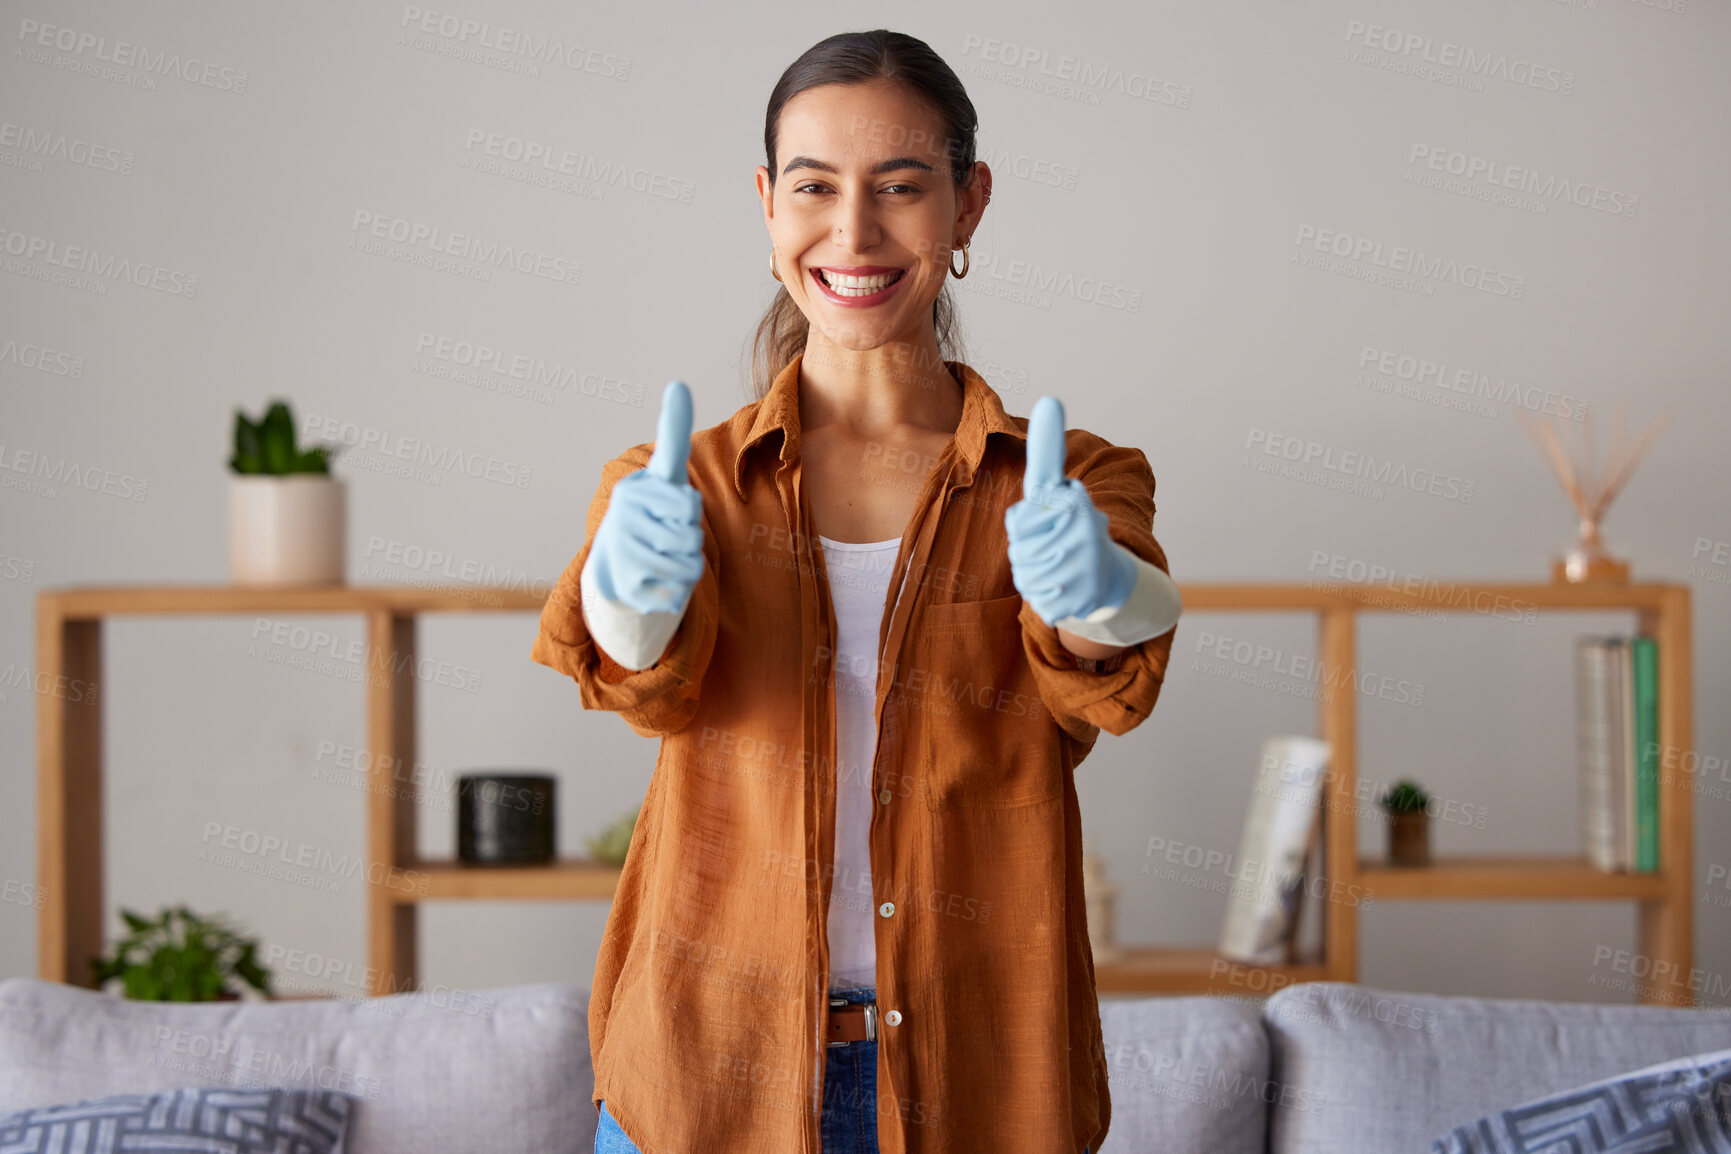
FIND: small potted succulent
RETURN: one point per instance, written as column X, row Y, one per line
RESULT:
column 609, row 846
column 286, row 513
column 179, row 956
column 1407, row 807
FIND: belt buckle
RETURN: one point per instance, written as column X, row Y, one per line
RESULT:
column 871, row 1019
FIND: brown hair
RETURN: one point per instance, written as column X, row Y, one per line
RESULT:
column 855, row 58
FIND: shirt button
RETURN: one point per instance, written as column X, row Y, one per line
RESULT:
column 884, row 796
column 887, row 909
column 893, row 1018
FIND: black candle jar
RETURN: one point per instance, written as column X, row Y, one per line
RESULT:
column 505, row 818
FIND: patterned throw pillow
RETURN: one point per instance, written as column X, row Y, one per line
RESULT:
column 1683, row 1105
column 203, row 1120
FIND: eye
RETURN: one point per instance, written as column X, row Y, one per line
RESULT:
column 905, row 189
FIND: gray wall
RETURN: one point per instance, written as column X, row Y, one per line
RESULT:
column 1197, row 179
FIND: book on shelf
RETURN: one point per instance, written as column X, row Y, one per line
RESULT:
column 1645, row 661
column 1617, row 751
column 1281, row 827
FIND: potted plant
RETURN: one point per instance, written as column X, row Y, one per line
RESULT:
column 179, row 956
column 1407, row 805
column 286, row 513
column 609, row 846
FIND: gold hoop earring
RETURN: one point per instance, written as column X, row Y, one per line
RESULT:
column 965, row 258
column 772, row 269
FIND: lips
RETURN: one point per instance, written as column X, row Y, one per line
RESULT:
column 867, row 287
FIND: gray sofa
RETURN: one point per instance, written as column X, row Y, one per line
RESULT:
column 1319, row 1068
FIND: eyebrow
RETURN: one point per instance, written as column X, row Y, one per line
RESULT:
column 890, row 165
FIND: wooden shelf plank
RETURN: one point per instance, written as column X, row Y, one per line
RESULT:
column 1512, row 878
column 1197, row 970
column 85, row 602
column 88, row 601
column 568, row 879
column 1460, row 596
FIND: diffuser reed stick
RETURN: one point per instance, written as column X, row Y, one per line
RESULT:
column 1591, row 487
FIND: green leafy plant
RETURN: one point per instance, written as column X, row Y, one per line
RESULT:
column 1407, row 796
column 610, row 844
column 179, row 956
column 267, row 446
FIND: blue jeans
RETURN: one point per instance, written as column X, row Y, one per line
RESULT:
column 850, row 1091
column 850, row 1083
column 609, row 1138
column 850, row 1117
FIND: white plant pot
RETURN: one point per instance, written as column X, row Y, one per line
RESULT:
column 289, row 530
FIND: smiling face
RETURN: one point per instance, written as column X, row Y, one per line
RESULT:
column 864, row 210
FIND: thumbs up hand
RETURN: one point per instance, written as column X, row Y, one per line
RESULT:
column 648, row 550
column 1062, row 560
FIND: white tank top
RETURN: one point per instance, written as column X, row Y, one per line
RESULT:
column 859, row 581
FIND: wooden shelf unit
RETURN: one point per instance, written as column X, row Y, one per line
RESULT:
column 1142, row 970
column 69, row 759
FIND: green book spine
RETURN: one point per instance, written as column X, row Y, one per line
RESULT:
column 1646, row 665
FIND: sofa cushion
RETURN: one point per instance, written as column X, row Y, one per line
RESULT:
column 1185, row 1073
column 1389, row 1071
column 1683, row 1104
column 499, row 1070
column 197, row 1118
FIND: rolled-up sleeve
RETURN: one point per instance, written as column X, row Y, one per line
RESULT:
column 1121, row 485
column 655, row 701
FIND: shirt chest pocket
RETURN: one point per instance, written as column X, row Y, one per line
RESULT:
column 985, row 738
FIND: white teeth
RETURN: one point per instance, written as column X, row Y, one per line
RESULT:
column 856, row 286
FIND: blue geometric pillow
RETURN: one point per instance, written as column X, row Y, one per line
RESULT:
column 1683, row 1105
column 202, row 1120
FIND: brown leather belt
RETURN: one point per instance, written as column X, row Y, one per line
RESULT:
column 852, row 1021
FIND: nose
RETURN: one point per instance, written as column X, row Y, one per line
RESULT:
column 855, row 221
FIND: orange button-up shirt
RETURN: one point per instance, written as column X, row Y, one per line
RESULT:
column 707, row 1018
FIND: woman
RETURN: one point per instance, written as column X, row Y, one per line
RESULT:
column 851, row 915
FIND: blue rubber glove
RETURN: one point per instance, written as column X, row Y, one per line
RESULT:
column 1062, row 560
column 648, row 550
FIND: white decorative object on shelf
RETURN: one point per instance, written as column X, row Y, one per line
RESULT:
column 1280, row 824
column 1101, row 896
